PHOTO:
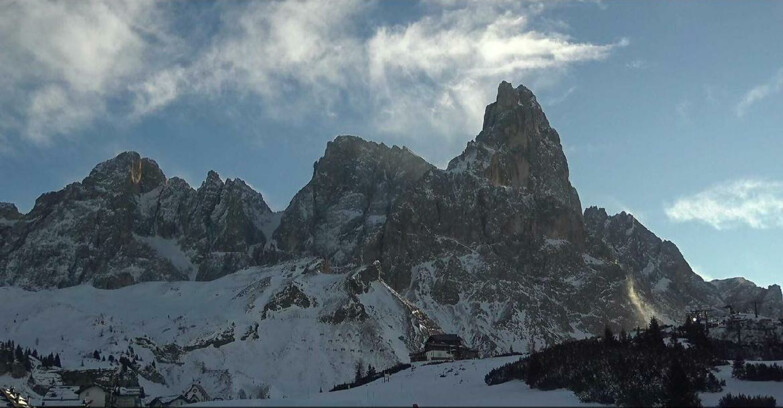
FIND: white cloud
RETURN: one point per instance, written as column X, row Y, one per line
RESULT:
column 561, row 98
column 432, row 75
column 753, row 203
column 759, row 92
column 63, row 60
column 437, row 71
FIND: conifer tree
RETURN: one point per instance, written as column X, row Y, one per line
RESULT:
column 608, row 335
column 534, row 370
column 679, row 391
column 738, row 368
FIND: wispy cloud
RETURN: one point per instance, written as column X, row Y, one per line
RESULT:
column 636, row 64
column 760, row 92
column 70, row 63
column 562, row 97
column 62, row 61
column 752, row 203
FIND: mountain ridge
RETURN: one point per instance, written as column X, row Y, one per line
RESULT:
column 496, row 246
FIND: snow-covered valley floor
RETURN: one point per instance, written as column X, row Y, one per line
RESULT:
column 735, row 386
column 459, row 383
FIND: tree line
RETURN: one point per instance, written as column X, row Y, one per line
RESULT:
column 18, row 361
column 756, row 371
column 640, row 370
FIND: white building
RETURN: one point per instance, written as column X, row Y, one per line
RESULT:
column 62, row 396
column 196, row 393
column 127, row 397
column 93, row 396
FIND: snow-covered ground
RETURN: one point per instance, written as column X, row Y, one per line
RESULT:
column 289, row 327
column 735, row 386
column 459, row 383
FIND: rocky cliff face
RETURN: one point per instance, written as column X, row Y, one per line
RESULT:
column 339, row 215
column 126, row 223
column 745, row 297
column 495, row 247
column 662, row 278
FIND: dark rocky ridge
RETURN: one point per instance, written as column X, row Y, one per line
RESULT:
column 126, row 223
column 745, row 297
column 339, row 215
column 660, row 273
column 495, row 247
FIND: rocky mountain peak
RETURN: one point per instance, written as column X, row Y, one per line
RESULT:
column 774, row 294
column 213, row 178
column 511, row 102
column 340, row 213
column 518, row 148
column 128, row 172
column 9, row 211
column 595, row 214
column 349, row 152
column 744, row 296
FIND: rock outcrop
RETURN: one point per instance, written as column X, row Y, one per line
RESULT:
column 126, row 223
column 339, row 215
column 745, row 297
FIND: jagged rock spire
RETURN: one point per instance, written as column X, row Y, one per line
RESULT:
column 127, row 172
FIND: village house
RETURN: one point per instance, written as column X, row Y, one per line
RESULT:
column 128, row 397
column 169, row 401
column 93, row 395
column 62, row 396
column 444, row 347
column 10, row 398
column 196, row 393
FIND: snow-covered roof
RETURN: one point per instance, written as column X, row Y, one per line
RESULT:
column 167, row 399
column 129, row 391
column 62, row 393
column 86, row 387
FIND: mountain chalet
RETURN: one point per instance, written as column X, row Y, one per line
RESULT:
column 444, row 347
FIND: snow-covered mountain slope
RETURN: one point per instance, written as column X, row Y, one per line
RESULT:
column 459, row 383
column 294, row 327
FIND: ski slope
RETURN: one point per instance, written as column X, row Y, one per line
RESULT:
column 290, row 329
column 459, row 383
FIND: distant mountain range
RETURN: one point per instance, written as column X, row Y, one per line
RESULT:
column 495, row 247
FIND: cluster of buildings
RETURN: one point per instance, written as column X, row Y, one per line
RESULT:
column 441, row 347
column 195, row 393
column 92, row 396
column 62, row 396
column 10, row 398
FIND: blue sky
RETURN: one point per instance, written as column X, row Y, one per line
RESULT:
column 668, row 110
